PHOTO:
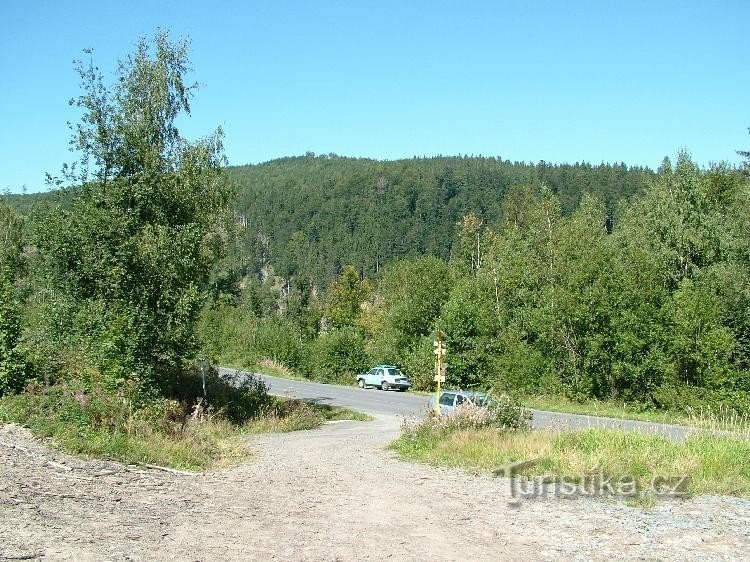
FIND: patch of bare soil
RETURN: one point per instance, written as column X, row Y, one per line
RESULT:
column 329, row 494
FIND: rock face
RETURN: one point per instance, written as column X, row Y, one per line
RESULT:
column 330, row 494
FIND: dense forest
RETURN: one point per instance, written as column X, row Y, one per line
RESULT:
column 312, row 215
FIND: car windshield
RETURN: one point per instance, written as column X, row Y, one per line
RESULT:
column 447, row 399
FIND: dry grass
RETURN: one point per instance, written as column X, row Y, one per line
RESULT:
column 158, row 434
column 714, row 464
column 277, row 368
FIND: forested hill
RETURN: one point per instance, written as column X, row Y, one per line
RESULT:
column 311, row 215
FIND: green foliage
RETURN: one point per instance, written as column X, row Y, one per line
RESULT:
column 345, row 297
column 12, row 363
column 552, row 300
column 133, row 250
column 236, row 337
column 411, row 294
column 313, row 214
column 337, row 356
column 469, row 319
column 280, row 340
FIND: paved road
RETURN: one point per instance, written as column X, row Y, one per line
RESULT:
column 378, row 403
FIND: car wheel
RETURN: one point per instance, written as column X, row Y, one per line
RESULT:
column 361, row 383
column 384, row 385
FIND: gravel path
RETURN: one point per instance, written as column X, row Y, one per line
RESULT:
column 329, row 494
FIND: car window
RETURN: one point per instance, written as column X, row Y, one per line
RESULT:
column 460, row 399
column 446, row 399
column 380, row 372
column 394, row 372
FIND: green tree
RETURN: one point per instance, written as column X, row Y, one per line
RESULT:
column 139, row 239
column 12, row 365
column 409, row 299
column 345, row 297
column 337, row 355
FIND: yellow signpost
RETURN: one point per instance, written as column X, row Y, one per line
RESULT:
column 440, row 367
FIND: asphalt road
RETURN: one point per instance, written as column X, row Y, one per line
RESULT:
column 393, row 403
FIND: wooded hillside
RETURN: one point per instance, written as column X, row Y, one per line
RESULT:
column 309, row 216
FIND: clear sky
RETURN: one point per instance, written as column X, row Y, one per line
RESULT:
column 606, row 81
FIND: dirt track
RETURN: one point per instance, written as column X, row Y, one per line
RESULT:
column 329, row 494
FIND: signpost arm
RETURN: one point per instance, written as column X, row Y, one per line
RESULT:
column 439, row 369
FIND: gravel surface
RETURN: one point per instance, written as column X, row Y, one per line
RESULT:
column 330, row 494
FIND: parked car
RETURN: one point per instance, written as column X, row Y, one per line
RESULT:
column 451, row 399
column 384, row 377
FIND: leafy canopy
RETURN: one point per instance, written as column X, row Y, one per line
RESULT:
column 137, row 244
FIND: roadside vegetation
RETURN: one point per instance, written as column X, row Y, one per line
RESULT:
column 191, row 432
column 101, row 286
column 641, row 465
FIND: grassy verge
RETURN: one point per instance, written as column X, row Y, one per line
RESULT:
column 713, row 464
column 706, row 418
column 97, row 428
column 295, row 415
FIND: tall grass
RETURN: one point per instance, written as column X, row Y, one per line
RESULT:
column 164, row 432
column 714, row 464
column 710, row 461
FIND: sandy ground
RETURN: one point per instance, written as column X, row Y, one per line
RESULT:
column 330, row 494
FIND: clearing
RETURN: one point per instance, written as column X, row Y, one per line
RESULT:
column 332, row 493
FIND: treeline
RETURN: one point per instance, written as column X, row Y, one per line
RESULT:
column 309, row 216
column 651, row 308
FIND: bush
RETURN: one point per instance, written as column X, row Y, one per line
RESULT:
column 279, row 339
column 419, row 364
column 337, row 356
column 228, row 334
column 12, row 366
column 235, row 397
column 236, row 337
column 696, row 400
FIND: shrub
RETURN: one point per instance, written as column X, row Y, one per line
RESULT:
column 280, row 340
column 337, row 356
column 692, row 399
column 12, row 367
column 235, row 397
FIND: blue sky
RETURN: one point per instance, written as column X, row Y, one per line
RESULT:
column 556, row 81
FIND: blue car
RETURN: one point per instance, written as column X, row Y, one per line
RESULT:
column 384, row 377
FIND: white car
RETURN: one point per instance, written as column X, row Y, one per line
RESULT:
column 384, row 377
